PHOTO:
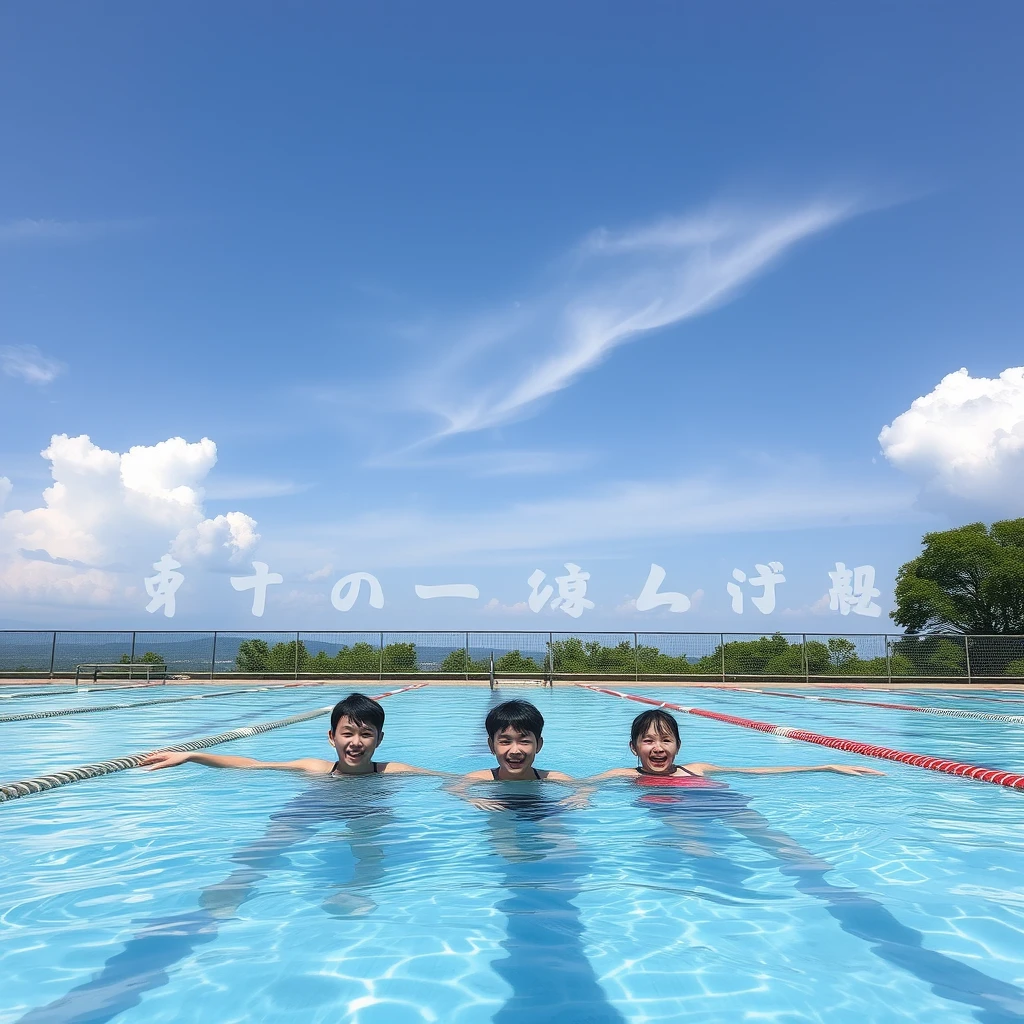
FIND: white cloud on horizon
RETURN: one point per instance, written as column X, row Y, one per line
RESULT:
column 28, row 363
column 618, row 512
column 964, row 443
column 619, row 286
column 108, row 513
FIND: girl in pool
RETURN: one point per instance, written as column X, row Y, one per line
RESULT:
column 654, row 738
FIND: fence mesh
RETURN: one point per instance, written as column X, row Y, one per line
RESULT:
column 73, row 649
column 340, row 654
column 927, row 657
column 526, row 654
column 995, row 656
column 677, row 654
column 405, row 653
column 515, row 654
column 834, row 654
column 25, row 651
column 750, row 654
column 188, row 654
column 594, row 654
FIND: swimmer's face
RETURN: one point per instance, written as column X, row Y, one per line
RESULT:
column 656, row 750
column 355, row 743
column 515, row 752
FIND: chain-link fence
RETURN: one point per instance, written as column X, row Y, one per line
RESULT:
column 516, row 655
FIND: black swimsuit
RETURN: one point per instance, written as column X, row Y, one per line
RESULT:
column 678, row 768
column 337, row 765
column 494, row 774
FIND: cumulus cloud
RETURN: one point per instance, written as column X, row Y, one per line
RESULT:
column 495, row 606
column 964, row 442
column 108, row 514
column 28, row 363
column 320, row 574
column 5, row 489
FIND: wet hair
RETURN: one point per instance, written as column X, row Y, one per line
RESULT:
column 358, row 708
column 660, row 720
column 520, row 715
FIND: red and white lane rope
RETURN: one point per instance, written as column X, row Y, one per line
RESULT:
column 14, row 790
column 936, row 764
column 952, row 712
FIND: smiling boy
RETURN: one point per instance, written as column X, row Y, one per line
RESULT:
column 357, row 730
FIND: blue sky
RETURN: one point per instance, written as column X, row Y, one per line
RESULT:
column 460, row 293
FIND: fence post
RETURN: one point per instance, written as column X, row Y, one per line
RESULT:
column 967, row 652
column 467, row 655
column 213, row 656
column 636, row 658
column 53, row 652
column 131, row 658
column 551, row 657
column 296, row 654
column 721, row 637
column 807, row 671
column 381, row 674
column 888, row 662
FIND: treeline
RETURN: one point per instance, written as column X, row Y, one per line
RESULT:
column 764, row 656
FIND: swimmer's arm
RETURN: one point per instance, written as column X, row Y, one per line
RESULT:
column 460, row 787
column 408, row 769
column 842, row 769
column 170, row 758
column 613, row 773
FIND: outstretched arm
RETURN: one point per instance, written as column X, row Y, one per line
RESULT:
column 461, row 786
column 842, row 769
column 170, row 758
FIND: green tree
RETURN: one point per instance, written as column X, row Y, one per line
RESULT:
column 966, row 580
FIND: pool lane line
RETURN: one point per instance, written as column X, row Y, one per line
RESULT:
column 952, row 712
column 60, row 712
column 936, row 764
column 42, row 783
column 80, row 689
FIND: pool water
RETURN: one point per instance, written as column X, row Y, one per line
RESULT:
column 200, row 895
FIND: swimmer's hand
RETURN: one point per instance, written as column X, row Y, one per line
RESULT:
column 854, row 769
column 164, row 759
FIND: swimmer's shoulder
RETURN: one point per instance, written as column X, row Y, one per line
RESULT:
column 701, row 768
column 483, row 773
column 554, row 776
column 312, row 765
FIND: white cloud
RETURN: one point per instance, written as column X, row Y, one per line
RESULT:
column 242, row 488
column 964, row 442
column 696, row 599
column 617, row 288
column 28, row 363
column 29, row 229
column 108, row 514
column 618, row 512
column 495, row 606
column 5, row 491
column 320, row 574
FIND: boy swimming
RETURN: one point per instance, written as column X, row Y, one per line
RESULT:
column 514, row 731
column 654, row 739
column 357, row 730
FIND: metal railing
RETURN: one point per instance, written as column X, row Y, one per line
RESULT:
column 543, row 656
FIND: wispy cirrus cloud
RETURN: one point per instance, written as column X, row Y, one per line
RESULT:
column 28, row 363
column 613, row 288
column 31, row 229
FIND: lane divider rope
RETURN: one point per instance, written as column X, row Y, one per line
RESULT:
column 937, row 764
column 42, row 783
column 61, row 712
column 952, row 712
column 80, row 689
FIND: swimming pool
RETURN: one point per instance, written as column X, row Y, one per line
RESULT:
column 195, row 894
